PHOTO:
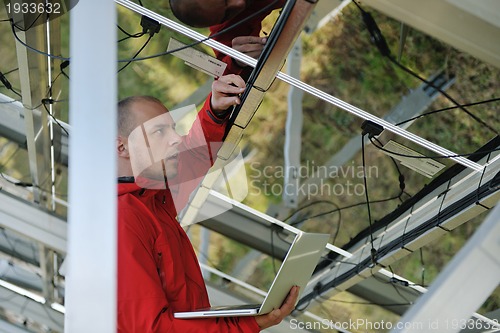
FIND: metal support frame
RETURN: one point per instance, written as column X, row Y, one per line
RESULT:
column 252, row 228
column 293, row 130
column 48, row 273
column 31, row 222
column 475, row 271
column 33, row 70
column 444, row 209
column 92, row 245
column 12, row 127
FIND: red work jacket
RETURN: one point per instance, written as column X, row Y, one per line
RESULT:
column 158, row 272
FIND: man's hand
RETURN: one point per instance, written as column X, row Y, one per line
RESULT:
column 250, row 45
column 276, row 316
column 225, row 92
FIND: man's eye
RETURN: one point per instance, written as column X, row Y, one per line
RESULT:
column 158, row 131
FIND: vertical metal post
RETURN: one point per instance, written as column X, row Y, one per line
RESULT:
column 91, row 277
column 293, row 137
column 33, row 75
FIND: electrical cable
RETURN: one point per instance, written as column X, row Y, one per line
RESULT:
column 445, row 94
column 346, row 207
column 401, row 177
column 136, row 35
column 128, row 35
column 46, row 101
column 283, row 239
column 11, row 71
column 49, row 100
column 2, row 166
column 22, row 183
column 431, row 222
column 379, row 41
column 395, row 280
column 435, row 156
column 62, row 66
column 307, row 206
column 30, row 26
column 446, row 109
column 7, row 84
column 32, row 48
column 137, row 53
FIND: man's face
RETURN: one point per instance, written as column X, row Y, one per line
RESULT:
column 153, row 144
column 218, row 11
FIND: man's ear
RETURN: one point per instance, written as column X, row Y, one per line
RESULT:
column 122, row 147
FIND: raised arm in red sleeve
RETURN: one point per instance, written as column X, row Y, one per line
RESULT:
column 251, row 27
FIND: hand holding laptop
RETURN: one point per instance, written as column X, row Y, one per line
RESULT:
column 295, row 271
column 276, row 316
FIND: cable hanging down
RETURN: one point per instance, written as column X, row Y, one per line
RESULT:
column 369, row 129
column 378, row 39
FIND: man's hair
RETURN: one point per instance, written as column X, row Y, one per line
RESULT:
column 188, row 12
column 126, row 121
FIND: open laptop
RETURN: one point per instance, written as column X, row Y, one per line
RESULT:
column 296, row 270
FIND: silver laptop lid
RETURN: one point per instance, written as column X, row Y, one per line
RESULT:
column 296, row 269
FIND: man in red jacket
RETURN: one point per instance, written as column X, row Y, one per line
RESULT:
column 158, row 272
column 220, row 15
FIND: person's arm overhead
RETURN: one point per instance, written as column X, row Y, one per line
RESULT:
column 250, row 28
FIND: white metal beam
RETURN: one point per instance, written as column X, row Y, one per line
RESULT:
column 92, row 266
